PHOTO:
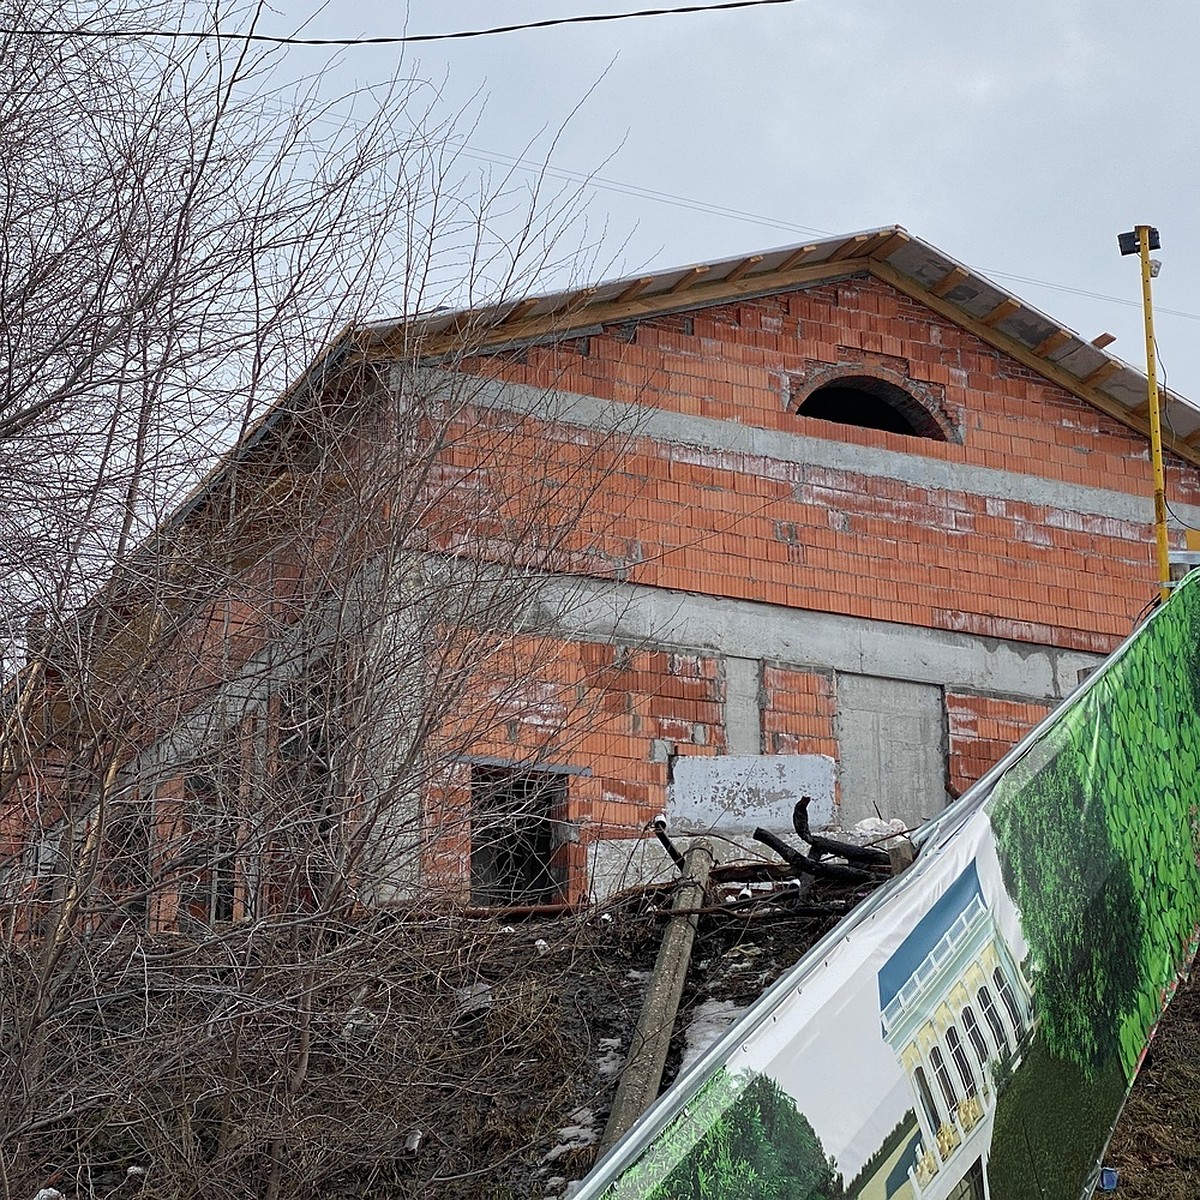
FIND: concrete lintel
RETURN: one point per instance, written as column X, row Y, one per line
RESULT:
column 723, row 436
column 637, row 614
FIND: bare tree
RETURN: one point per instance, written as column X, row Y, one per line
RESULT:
column 250, row 731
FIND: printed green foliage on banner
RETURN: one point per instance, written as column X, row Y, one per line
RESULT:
column 740, row 1138
column 1097, row 831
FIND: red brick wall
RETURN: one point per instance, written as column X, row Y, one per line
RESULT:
column 617, row 711
column 797, row 711
column 982, row 729
column 593, row 706
column 750, row 527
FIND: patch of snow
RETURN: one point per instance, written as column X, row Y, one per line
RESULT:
column 575, row 1136
column 872, row 829
column 637, row 976
column 709, row 1022
column 611, row 1059
column 473, row 998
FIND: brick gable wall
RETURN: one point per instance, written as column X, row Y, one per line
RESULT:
column 793, row 533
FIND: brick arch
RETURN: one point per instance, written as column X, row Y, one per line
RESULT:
column 918, row 410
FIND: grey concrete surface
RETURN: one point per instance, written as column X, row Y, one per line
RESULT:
column 683, row 621
column 891, row 734
column 730, row 437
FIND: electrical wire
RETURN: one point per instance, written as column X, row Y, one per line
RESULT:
column 720, row 210
column 1166, row 412
column 591, row 181
column 396, row 40
column 637, row 190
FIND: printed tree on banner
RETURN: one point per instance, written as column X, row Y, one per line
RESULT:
column 757, row 1147
column 1078, row 909
column 1099, row 840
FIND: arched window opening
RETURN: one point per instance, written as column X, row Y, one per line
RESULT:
column 993, row 1019
column 978, row 1042
column 931, row 1112
column 869, row 403
column 1010, row 1001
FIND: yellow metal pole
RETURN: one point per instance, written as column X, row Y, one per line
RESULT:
column 1156, row 454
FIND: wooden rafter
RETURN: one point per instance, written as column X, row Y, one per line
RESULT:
column 635, row 289
column 744, row 268
column 1030, row 358
column 854, row 247
column 519, row 311
column 716, row 291
column 1143, row 409
column 796, row 257
column 889, row 245
column 1102, row 372
column 1050, row 343
column 1103, row 339
column 687, row 279
column 576, row 300
column 1004, row 309
column 949, row 281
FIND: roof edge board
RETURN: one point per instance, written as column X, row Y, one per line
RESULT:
column 1023, row 354
column 564, row 322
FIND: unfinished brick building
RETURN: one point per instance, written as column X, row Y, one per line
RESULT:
column 876, row 509
column 857, row 519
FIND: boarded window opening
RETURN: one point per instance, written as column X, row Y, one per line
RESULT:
column 868, row 403
column 517, row 817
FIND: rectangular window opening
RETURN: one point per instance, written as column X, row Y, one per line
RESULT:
column 211, row 806
column 518, row 819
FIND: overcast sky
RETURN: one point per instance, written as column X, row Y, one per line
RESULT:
column 1019, row 138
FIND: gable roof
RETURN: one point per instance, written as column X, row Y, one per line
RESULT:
column 890, row 254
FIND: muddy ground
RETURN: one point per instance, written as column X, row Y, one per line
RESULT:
column 1156, row 1146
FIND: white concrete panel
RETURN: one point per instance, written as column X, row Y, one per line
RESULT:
column 734, row 793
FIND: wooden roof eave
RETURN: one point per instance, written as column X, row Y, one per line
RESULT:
column 574, row 318
column 915, row 268
column 1089, row 393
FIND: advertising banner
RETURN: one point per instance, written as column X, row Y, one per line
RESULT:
column 973, row 1028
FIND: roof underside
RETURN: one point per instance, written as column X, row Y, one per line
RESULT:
column 890, row 254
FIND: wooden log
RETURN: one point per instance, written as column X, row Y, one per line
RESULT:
column 642, row 1075
column 804, row 865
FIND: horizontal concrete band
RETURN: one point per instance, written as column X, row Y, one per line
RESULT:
column 593, row 610
column 708, row 433
column 600, row 611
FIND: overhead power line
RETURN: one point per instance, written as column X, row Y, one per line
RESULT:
column 397, row 40
column 737, row 214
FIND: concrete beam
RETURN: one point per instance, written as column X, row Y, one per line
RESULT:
column 708, row 433
column 595, row 610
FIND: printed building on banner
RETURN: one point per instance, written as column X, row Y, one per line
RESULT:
column 955, row 1006
column 843, row 520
